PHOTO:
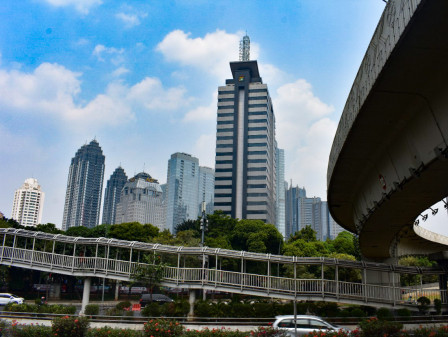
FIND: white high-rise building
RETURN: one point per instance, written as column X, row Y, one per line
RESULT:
column 28, row 203
column 281, row 193
column 141, row 200
column 245, row 168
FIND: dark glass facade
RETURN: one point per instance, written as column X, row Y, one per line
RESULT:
column 112, row 195
column 84, row 187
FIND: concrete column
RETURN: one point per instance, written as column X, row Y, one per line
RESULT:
column 191, row 300
column 117, row 289
column 443, row 288
column 85, row 294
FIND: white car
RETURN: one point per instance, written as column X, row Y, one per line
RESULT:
column 304, row 325
column 6, row 298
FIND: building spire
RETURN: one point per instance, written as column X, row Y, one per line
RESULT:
column 245, row 48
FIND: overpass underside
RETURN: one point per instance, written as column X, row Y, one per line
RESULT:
column 389, row 157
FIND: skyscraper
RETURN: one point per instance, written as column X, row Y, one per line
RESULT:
column 28, row 203
column 206, row 189
column 292, row 217
column 112, row 195
column 281, row 193
column 182, row 189
column 141, row 201
column 84, row 187
column 245, row 169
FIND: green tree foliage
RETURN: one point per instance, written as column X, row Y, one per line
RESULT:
column 414, row 261
column 306, row 234
column 78, row 231
column 150, row 272
column 7, row 223
column 193, row 225
column 256, row 236
column 48, row 228
column 133, row 231
column 343, row 244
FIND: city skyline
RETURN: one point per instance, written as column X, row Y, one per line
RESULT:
column 142, row 79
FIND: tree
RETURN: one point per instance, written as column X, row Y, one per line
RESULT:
column 133, row 231
column 307, row 234
column 256, row 236
column 193, row 225
column 343, row 243
column 150, row 272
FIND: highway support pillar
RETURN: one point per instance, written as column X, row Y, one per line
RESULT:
column 191, row 300
column 442, row 260
column 85, row 294
column 388, row 280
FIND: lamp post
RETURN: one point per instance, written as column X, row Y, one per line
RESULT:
column 204, row 223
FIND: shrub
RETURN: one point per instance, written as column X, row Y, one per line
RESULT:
column 203, row 309
column 113, row 332
column 242, row 309
column 263, row 309
column 92, row 309
column 114, row 312
column 438, row 306
column 215, row 333
column 122, row 305
column 33, row 330
column 404, row 313
column 151, row 310
column 373, row 327
column 423, row 304
column 182, row 308
column 162, row 328
column 384, row 314
column 268, row 332
column 70, row 326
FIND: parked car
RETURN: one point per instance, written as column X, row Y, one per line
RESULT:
column 305, row 324
column 6, row 298
column 158, row 298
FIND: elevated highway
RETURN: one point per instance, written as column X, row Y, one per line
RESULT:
column 388, row 162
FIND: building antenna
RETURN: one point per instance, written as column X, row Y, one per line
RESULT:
column 245, row 48
column 144, row 164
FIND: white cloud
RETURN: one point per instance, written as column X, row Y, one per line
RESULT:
column 203, row 113
column 53, row 90
column 153, row 96
column 212, row 53
column 306, row 132
column 120, row 71
column 130, row 19
column 83, row 6
column 204, row 149
column 116, row 54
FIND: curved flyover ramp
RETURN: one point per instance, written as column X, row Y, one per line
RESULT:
column 388, row 162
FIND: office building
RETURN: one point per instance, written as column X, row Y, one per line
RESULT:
column 141, row 201
column 28, row 203
column 112, row 195
column 291, row 209
column 245, row 168
column 281, row 192
column 84, row 187
column 206, row 189
column 182, row 189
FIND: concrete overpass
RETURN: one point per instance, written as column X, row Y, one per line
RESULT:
column 388, row 162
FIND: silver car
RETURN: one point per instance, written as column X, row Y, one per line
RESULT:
column 304, row 324
column 6, row 298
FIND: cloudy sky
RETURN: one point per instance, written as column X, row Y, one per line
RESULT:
column 141, row 77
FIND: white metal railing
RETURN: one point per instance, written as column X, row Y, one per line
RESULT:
column 203, row 277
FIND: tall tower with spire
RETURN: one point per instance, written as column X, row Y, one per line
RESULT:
column 112, row 195
column 245, row 167
column 84, row 187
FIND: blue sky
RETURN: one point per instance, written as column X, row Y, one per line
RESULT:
column 141, row 77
